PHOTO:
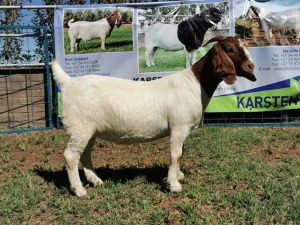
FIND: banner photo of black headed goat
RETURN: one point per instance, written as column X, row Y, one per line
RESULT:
column 170, row 37
column 148, row 41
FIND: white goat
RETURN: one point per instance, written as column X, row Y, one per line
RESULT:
column 85, row 30
column 288, row 18
column 126, row 111
column 187, row 35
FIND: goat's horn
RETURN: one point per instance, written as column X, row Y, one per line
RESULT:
column 217, row 38
column 211, row 22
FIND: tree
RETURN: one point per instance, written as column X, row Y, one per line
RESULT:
column 11, row 46
column 107, row 1
column 45, row 17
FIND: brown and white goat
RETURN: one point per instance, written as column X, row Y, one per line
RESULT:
column 125, row 111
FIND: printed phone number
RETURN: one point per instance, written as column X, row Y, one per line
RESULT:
column 84, row 67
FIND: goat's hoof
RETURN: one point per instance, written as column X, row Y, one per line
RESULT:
column 180, row 175
column 96, row 182
column 79, row 191
column 175, row 187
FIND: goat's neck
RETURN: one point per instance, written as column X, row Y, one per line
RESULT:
column 203, row 71
column 111, row 24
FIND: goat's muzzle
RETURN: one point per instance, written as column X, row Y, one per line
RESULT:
column 249, row 76
column 119, row 23
column 247, row 72
column 252, row 77
column 218, row 15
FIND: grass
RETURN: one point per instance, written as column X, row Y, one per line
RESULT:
column 120, row 40
column 237, row 175
column 167, row 61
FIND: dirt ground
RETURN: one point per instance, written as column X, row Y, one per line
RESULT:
column 281, row 36
column 30, row 154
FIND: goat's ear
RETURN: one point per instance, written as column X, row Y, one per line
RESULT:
column 205, row 15
column 223, row 66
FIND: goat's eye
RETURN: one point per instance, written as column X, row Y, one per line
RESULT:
column 230, row 50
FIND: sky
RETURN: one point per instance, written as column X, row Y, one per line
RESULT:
column 40, row 2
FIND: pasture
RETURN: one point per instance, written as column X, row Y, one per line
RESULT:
column 168, row 61
column 236, row 175
column 120, row 40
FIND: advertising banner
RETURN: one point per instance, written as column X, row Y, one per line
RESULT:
column 140, row 42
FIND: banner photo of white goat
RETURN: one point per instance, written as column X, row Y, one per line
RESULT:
column 92, row 40
column 147, row 41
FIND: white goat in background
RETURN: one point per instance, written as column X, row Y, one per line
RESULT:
column 288, row 18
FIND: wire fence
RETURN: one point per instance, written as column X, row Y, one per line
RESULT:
column 25, row 86
column 273, row 118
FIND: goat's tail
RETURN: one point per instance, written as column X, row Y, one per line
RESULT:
column 59, row 74
column 70, row 22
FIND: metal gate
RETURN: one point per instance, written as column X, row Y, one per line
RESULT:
column 25, row 88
